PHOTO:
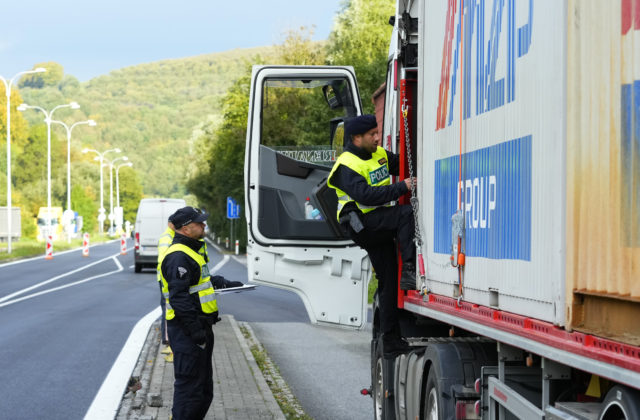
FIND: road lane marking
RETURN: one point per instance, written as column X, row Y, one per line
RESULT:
column 220, row 264
column 54, row 254
column 106, row 402
column 35, row 286
column 75, row 283
column 236, row 258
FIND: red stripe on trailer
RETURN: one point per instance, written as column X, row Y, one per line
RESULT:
column 605, row 350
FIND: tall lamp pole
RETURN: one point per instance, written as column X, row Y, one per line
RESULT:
column 100, row 158
column 91, row 123
column 7, row 91
column 118, row 182
column 48, row 120
column 119, row 226
column 111, row 188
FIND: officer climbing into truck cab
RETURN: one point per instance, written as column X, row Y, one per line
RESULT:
column 367, row 212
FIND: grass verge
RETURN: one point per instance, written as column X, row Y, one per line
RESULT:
column 288, row 403
column 373, row 286
column 26, row 248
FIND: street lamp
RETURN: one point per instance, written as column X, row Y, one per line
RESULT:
column 48, row 120
column 111, row 187
column 100, row 158
column 118, row 182
column 7, row 91
column 118, row 187
column 91, row 123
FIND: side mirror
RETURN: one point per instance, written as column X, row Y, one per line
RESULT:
column 332, row 98
column 337, row 136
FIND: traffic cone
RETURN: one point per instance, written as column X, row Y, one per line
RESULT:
column 123, row 244
column 85, row 245
column 48, row 253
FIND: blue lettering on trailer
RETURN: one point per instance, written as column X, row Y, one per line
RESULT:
column 630, row 157
column 490, row 93
column 495, row 197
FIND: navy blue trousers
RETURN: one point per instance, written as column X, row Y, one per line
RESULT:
column 193, row 370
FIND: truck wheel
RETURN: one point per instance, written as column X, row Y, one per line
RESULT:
column 432, row 406
column 621, row 404
column 383, row 406
column 138, row 268
column 378, row 381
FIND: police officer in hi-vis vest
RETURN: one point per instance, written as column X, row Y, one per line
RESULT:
column 366, row 210
column 191, row 310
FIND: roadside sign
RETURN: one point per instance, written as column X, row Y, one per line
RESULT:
column 233, row 209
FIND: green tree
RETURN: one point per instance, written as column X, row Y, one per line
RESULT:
column 130, row 193
column 83, row 199
column 19, row 134
column 360, row 38
column 51, row 77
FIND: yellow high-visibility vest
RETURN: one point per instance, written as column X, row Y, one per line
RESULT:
column 163, row 245
column 204, row 288
column 374, row 170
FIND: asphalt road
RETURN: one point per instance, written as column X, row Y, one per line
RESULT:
column 66, row 320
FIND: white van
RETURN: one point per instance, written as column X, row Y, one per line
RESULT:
column 151, row 221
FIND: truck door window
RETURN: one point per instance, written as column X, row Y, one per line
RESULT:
column 300, row 139
column 300, row 118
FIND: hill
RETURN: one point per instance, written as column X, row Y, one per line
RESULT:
column 153, row 112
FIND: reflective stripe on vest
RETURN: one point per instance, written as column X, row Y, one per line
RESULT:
column 374, row 170
column 204, row 288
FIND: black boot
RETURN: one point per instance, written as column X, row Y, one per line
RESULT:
column 408, row 277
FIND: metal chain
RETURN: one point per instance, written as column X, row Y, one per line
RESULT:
column 414, row 199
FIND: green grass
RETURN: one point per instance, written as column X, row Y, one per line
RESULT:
column 288, row 403
column 26, row 247
column 373, row 286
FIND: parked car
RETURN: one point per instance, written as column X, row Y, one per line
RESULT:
column 151, row 221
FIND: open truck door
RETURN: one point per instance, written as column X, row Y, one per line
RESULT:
column 294, row 135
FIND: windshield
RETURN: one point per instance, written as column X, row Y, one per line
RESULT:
column 301, row 117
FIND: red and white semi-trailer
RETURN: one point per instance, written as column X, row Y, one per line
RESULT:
column 522, row 119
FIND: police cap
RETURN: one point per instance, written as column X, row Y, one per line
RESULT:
column 186, row 215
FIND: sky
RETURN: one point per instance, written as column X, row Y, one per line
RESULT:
column 90, row 38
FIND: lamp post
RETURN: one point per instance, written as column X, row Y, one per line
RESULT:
column 100, row 158
column 7, row 91
column 91, row 123
column 111, row 188
column 48, row 120
column 118, row 187
column 118, row 182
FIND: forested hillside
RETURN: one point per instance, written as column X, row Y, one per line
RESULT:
column 151, row 111
column 181, row 122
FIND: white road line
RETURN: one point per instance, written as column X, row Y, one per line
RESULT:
column 235, row 257
column 35, row 286
column 131, row 266
column 75, row 283
column 106, row 402
column 54, row 254
column 220, row 264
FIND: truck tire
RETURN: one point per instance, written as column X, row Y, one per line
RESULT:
column 432, row 404
column 621, row 403
column 138, row 268
column 382, row 381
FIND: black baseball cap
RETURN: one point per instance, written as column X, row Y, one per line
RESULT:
column 359, row 125
column 187, row 215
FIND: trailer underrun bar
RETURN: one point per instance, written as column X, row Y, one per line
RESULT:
column 597, row 355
